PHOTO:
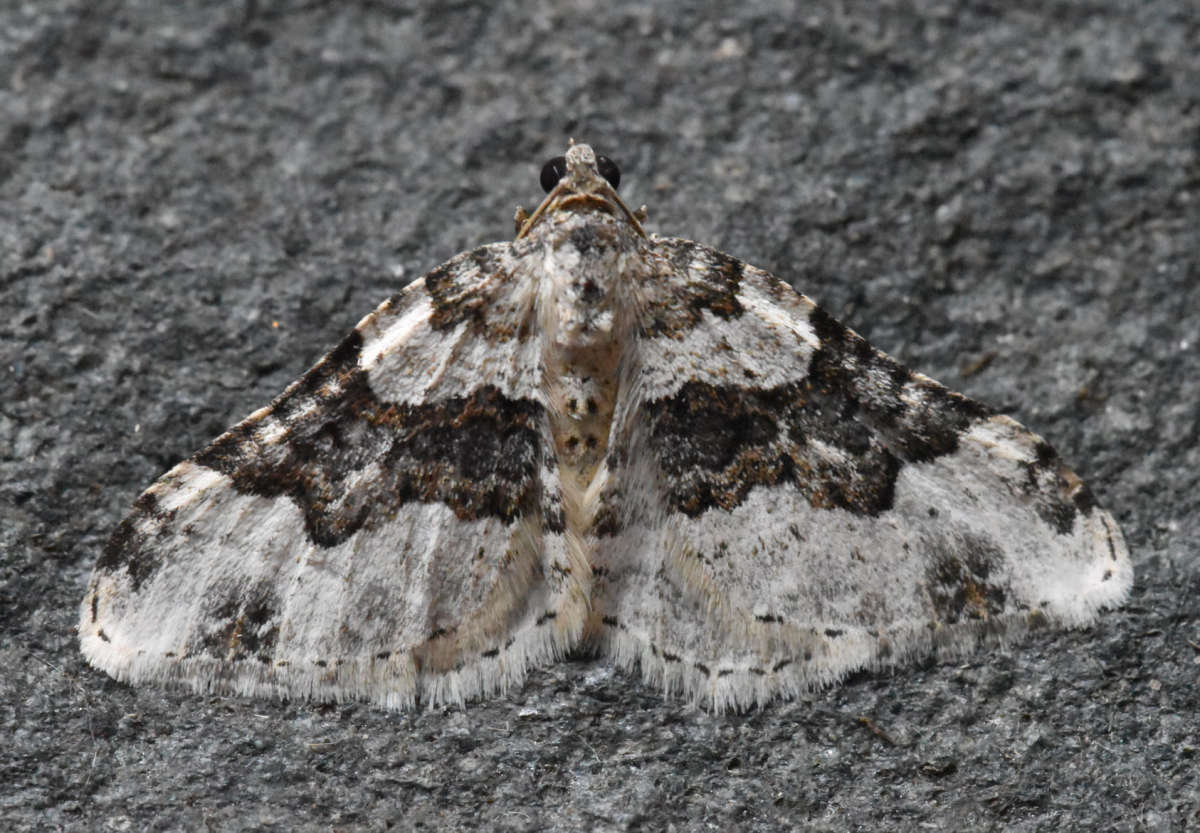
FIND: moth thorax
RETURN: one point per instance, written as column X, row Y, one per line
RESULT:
column 582, row 270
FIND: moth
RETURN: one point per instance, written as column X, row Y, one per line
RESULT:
column 594, row 438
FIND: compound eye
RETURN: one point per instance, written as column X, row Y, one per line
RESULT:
column 556, row 169
column 552, row 172
column 609, row 170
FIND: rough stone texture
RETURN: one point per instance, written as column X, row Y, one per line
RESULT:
column 197, row 199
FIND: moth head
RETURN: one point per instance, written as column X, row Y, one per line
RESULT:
column 581, row 179
column 582, row 164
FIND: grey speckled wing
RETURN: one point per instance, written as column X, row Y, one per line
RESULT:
column 391, row 528
column 785, row 504
column 593, row 437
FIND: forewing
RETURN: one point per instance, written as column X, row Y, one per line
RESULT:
column 786, row 504
column 390, row 528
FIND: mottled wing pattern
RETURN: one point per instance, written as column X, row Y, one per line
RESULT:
column 390, row 528
column 593, row 435
column 786, row 504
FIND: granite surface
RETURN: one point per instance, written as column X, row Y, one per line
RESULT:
column 198, row 199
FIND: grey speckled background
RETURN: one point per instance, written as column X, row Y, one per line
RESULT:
column 197, row 201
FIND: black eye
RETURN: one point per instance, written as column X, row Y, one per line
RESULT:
column 552, row 172
column 556, row 169
column 609, row 170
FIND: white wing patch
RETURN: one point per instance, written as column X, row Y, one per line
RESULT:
column 589, row 437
